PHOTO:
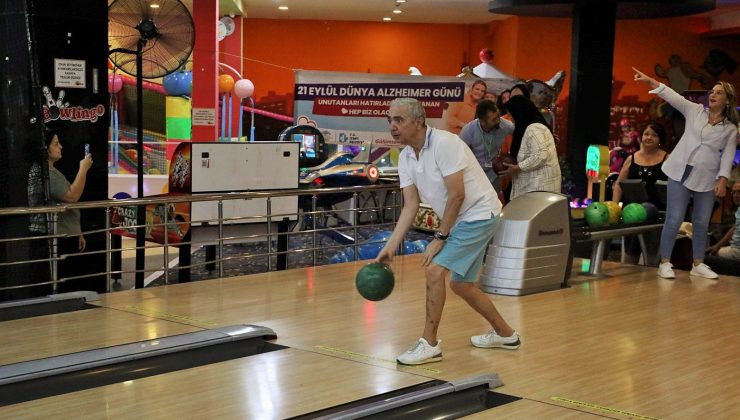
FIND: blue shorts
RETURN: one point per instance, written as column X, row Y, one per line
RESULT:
column 465, row 249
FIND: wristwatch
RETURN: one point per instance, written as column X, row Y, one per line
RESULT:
column 439, row 235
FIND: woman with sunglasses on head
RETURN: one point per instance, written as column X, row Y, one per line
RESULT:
column 698, row 167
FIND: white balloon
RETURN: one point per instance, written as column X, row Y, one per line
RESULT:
column 244, row 88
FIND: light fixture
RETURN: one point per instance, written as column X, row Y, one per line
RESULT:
column 397, row 11
column 283, row 7
column 154, row 6
column 400, row 1
column 386, row 19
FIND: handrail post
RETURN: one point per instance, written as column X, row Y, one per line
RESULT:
column 314, row 198
column 354, row 224
column 54, row 255
column 108, row 255
column 220, row 238
column 166, row 252
column 269, row 234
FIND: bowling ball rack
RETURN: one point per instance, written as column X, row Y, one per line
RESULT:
column 581, row 232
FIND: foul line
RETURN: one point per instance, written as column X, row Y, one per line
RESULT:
column 170, row 316
column 602, row 408
column 365, row 356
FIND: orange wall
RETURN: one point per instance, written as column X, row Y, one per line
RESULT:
column 644, row 44
column 273, row 48
column 526, row 47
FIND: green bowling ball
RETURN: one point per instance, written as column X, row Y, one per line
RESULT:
column 375, row 281
column 596, row 214
column 634, row 213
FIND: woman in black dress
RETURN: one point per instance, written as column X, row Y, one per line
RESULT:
column 644, row 164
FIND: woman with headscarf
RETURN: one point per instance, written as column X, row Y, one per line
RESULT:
column 533, row 147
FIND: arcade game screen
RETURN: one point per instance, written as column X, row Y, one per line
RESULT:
column 308, row 144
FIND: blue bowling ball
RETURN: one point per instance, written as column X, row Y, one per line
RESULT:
column 369, row 251
column 339, row 257
column 409, row 248
column 651, row 210
column 381, row 236
column 350, row 253
column 421, row 245
column 121, row 195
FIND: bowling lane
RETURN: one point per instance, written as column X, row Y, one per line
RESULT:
column 272, row 385
column 51, row 335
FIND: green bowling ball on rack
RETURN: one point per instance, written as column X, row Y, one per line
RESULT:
column 596, row 214
column 634, row 213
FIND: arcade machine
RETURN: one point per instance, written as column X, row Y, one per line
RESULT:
column 319, row 168
column 214, row 167
column 530, row 252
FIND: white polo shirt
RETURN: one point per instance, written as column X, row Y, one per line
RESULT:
column 444, row 154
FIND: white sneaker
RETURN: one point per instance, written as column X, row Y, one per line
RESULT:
column 703, row 270
column 491, row 340
column 665, row 270
column 421, row 352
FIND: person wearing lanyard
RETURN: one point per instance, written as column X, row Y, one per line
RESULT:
column 485, row 135
column 698, row 167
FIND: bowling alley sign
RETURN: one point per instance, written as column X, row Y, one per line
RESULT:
column 353, row 107
column 57, row 109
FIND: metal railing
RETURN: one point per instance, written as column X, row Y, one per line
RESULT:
column 383, row 212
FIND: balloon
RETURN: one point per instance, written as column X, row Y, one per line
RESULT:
column 485, row 55
column 244, row 88
column 225, row 83
column 178, row 83
column 121, row 195
column 115, row 83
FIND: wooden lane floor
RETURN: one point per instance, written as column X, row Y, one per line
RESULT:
column 272, row 385
column 71, row 332
column 625, row 345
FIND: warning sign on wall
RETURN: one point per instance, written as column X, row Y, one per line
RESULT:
column 69, row 73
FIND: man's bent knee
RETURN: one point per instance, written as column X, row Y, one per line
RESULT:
column 434, row 272
column 462, row 288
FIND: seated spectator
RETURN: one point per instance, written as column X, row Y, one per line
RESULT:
column 729, row 245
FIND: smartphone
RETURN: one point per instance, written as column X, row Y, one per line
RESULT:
column 87, row 149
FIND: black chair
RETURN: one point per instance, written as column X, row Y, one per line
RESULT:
column 633, row 191
column 661, row 187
